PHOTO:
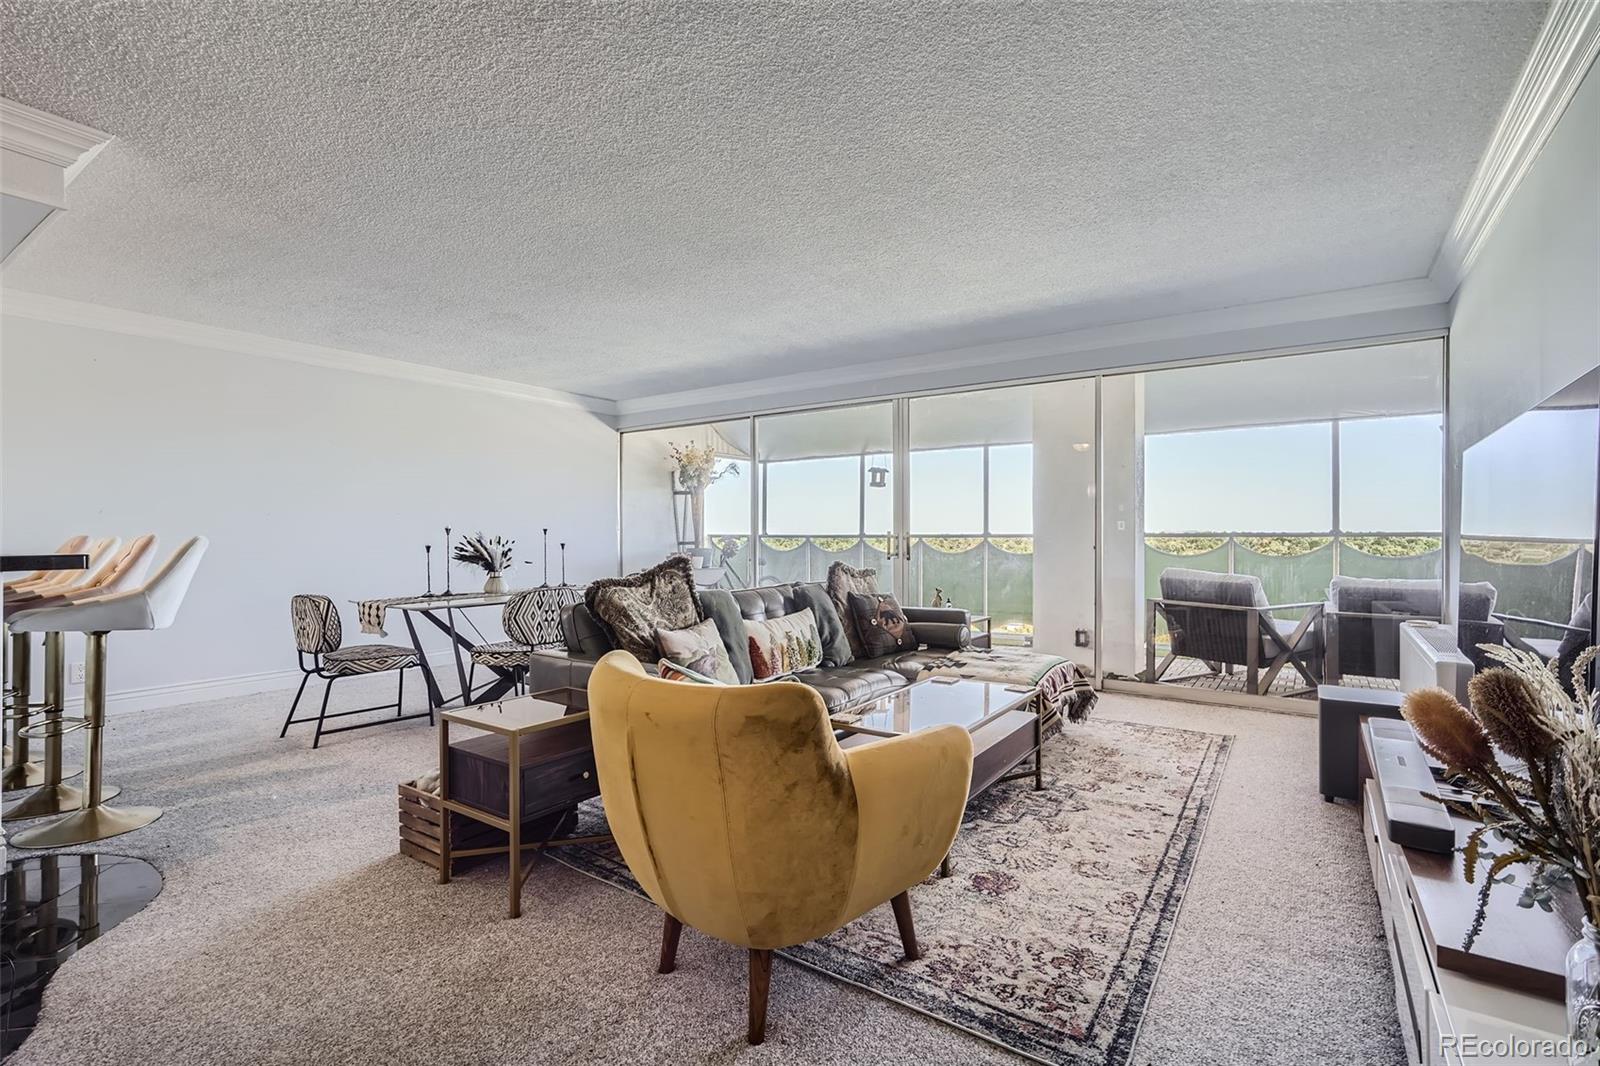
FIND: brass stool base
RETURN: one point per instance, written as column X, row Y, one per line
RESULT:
column 24, row 775
column 84, row 827
column 55, row 799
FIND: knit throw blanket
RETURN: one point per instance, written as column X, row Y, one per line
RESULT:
column 1064, row 689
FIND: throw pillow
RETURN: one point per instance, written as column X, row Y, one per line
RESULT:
column 671, row 671
column 632, row 608
column 830, row 627
column 882, row 625
column 783, row 645
column 843, row 579
column 699, row 649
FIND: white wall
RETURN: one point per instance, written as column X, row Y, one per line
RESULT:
column 1526, row 320
column 305, row 479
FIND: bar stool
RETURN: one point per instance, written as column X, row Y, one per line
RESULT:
column 38, row 588
column 123, row 574
column 152, row 606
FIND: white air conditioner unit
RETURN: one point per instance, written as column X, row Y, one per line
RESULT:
column 1430, row 656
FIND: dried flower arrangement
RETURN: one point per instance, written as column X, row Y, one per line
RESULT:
column 1545, row 806
column 697, row 465
column 490, row 554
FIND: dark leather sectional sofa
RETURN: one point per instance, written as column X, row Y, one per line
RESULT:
column 941, row 630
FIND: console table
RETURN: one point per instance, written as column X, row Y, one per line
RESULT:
column 1454, row 1008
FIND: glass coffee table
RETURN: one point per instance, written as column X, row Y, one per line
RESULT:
column 1005, row 733
column 996, row 715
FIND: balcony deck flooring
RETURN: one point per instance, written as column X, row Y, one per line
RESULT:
column 1191, row 673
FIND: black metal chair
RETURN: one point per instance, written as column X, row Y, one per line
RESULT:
column 1224, row 620
column 319, row 634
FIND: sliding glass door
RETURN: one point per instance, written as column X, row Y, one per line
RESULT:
column 825, row 485
column 979, row 463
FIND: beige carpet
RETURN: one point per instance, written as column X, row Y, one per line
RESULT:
column 290, row 932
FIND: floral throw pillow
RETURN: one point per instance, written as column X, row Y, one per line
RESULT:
column 671, row 671
column 784, row 645
column 882, row 625
column 699, row 649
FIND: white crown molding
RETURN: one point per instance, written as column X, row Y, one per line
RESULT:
column 1562, row 54
column 43, row 136
column 37, row 306
column 992, row 361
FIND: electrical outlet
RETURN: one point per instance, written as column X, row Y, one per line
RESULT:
column 75, row 674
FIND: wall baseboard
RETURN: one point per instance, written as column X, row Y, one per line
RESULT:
column 177, row 694
column 156, row 697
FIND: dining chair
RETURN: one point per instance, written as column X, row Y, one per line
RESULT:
column 319, row 634
column 124, row 573
column 153, row 605
column 520, row 620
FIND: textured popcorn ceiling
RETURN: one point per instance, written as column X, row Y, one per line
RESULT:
column 621, row 199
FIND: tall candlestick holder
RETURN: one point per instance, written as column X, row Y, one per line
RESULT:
column 427, row 551
column 563, row 562
column 447, row 560
column 546, row 583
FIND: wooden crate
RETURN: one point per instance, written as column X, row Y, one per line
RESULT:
column 420, row 820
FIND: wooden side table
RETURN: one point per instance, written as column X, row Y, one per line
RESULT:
column 982, row 638
column 541, row 775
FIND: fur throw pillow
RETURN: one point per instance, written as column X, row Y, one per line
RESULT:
column 630, row 609
column 843, row 579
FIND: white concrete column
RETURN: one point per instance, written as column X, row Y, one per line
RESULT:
column 1063, row 516
column 1122, row 510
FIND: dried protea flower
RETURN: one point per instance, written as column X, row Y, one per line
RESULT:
column 1446, row 731
column 1511, row 712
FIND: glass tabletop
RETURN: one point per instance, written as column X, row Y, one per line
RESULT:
column 971, row 704
column 522, row 714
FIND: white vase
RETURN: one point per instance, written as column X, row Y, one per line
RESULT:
column 1583, row 997
column 495, row 585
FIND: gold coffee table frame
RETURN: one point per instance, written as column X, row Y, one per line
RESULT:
column 513, row 719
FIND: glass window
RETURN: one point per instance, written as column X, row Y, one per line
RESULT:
column 1248, row 479
column 1389, row 474
column 1011, row 489
column 948, row 496
column 814, row 497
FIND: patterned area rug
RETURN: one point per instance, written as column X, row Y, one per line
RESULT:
column 1047, row 936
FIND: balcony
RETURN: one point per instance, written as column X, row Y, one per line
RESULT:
column 990, row 575
column 1539, row 579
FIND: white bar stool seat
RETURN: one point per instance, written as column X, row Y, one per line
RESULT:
column 151, row 606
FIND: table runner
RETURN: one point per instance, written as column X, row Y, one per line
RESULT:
column 546, row 603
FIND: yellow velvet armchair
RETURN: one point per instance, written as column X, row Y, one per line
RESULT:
column 741, row 816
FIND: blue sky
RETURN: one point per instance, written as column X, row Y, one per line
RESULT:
column 1266, row 479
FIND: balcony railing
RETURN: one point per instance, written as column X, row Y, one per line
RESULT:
column 1540, row 578
column 990, row 575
